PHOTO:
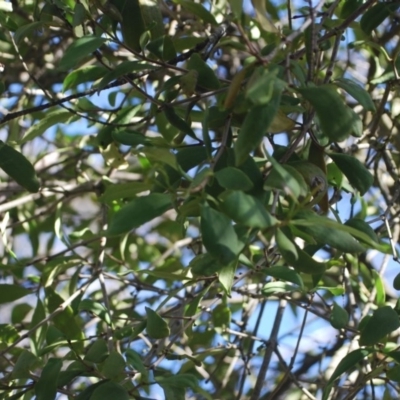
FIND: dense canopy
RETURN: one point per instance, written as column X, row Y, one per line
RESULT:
column 199, row 199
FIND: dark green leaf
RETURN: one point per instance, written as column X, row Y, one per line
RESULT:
column 79, row 50
column 359, row 177
column 247, row 210
column 327, row 232
column 88, row 73
column 327, row 103
column 384, row 320
column 364, row 227
column 14, row 164
column 156, row 327
column 358, row 92
column 65, row 320
column 198, row 10
column 285, row 274
column 46, row 386
column 9, row 293
column 109, row 390
column 373, row 17
column 97, row 352
column 24, row 365
column 206, row 77
column 162, row 47
column 204, row 265
column 219, row 236
column 19, row 312
column 349, row 362
column 124, row 190
column 96, row 308
column 339, row 317
column 126, row 67
column 254, row 127
column 28, row 30
column 113, row 366
column 396, row 282
column 263, row 85
column 286, row 247
column 233, row 179
column 178, row 122
column 139, row 211
column 50, row 119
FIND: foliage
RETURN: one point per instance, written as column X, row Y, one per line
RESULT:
column 199, row 199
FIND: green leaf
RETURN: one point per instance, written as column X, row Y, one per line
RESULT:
column 306, row 264
column 396, row 282
column 380, row 297
column 327, row 232
column 337, row 120
column 357, row 92
column 9, row 293
column 28, row 30
column 113, row 366
column 178, row 122
column 286, row 178
column 109, row 390
column 374, row 16
column 221, row 316
column 226, row 276
column 135, row 360
column 88, row 73
column 254, row 127
column 286, row 247
column 339, row 317
column 79, row 50
column 204, row 265
column 50, row 119
column 206, row 77
column 124, row 68
column 14, row 164
column 233, row 179
column 362, row 226
column 219, row 236
column 359, row 177
column 19, row 312
column 384, row 320
column 8, row 334
column 65, row 320
column 46, row 386
column 25, row 363
column 139, row 211
column 285, row 274
column 156, row 327
column 163, row 48
column 95, row 308
column 131, row 138
column 198, row 10
column 97, row 352
column 124, row 116
column 247, row 210
column 120, row 191
column 263, row 85
column 349, row 362
column 272, row 288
